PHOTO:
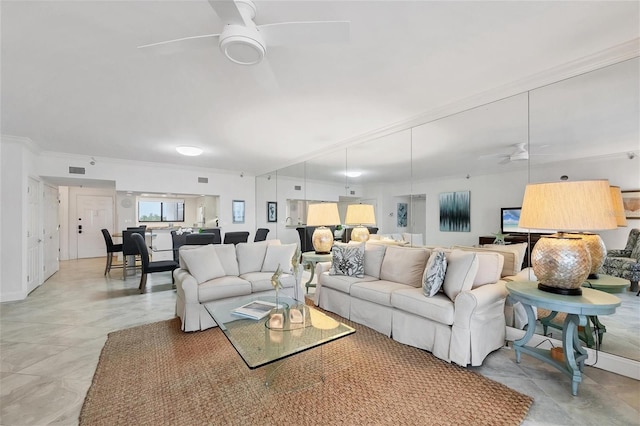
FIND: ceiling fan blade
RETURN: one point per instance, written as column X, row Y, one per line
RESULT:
column 177, row 40
column 228, row 12
column 295, row 33
column 506, row 160
column 264, row 76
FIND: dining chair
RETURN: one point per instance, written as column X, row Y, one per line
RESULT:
column 200, row 239
column 149, row 267
column 215, row 231
column 261, row 234
column 130, row 251
column 177, row 241
column 236, row 237
column 111, row 248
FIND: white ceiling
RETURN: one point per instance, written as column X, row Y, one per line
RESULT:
column 73, row 80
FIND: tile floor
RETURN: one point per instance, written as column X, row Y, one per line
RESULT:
column 50, row 344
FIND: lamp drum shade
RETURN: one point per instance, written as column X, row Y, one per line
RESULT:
column 568, row 206
column 618, row 206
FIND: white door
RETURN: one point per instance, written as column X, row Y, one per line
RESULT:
column 51, row 232
column 34, row 240
column 94, row 213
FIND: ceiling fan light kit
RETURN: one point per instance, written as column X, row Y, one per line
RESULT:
column 242, row 45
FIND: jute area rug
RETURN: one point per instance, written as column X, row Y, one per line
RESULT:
column 156, row 374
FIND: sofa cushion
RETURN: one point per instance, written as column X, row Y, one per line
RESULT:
column 404, row 265
column 251, row 256
column 341, row 283
column 279, row 255
column 461, row 271
column 489, row 268
column 519, row 250
column 510, row 265
column 347, row 259
column 223, row 287
column 378, row 291
column 438, row 308
column 261, row 281
column 227, row 255
column 373, row 255
column 203, row 263
column 434, row 273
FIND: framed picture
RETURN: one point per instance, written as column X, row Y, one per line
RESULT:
column 455, row 211
column 402, row 215
column 237, row 209
column 272, row 211
column 631, row 202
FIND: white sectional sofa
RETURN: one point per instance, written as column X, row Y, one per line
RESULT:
column 461, row 324
column 223, row 271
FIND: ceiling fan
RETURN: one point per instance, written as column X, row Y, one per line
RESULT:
column 519, row 153
column 245, row 43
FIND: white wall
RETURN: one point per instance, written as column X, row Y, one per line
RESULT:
column 17, row 164
column 491, row 192
column 162, row 178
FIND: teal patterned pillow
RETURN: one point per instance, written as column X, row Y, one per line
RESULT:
column 434, row 273
column 347, row 259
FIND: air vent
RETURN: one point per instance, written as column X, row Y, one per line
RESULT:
column 298, row 187
column 203, row 180
column 76, row 170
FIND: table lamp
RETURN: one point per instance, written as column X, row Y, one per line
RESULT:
column 360, row 215
column 562, row 262
column 322, row 215
column 595, row 245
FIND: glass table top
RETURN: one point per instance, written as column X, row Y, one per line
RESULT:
column 292, row 328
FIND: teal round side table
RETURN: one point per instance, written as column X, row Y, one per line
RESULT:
column 578, row 309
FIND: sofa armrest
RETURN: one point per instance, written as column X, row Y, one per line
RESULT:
column 186, row 285
column 478, row 321
column 321, row 267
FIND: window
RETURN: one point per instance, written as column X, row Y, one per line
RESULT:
column 160, row 211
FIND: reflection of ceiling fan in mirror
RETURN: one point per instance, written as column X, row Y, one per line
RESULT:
column 520, row 153
column 245, row 43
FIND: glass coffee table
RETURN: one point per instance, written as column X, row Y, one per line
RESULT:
column 287, row 330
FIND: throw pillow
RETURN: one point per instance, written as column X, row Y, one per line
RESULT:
column 461, row 271
column 489, row 268
column 434, row 273
column 251, row 255
column 404, row 265
column 347, row 259
column 373, row 255
column 279, row 255
column 203, row 263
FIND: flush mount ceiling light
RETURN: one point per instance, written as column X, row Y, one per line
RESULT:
column 190, row 151
column 353, row 174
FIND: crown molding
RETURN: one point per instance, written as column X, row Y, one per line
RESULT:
column 137, row 163
column 574, row 68
column 20, row 140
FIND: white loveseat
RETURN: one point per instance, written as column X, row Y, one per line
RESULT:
column 224, row 271
column 461, row 324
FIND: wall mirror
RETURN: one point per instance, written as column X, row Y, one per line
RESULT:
column 585, row 128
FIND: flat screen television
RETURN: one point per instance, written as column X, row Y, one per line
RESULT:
column 509, row 218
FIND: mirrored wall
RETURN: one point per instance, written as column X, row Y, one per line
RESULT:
column 585, row 127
